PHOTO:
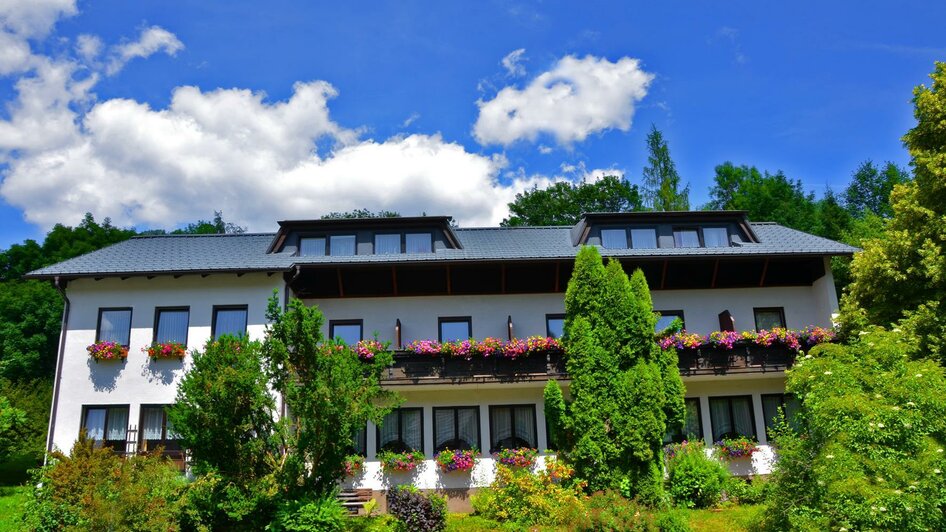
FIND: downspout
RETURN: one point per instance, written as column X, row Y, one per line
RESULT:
column 60, row 287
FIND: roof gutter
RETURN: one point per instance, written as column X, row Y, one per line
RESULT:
column 60, row 286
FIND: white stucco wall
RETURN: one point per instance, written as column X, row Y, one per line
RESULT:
column 138, row 381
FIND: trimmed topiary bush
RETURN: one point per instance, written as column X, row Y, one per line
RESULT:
column 417, row 512
column 695, row 480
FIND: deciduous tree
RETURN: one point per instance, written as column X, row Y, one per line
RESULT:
column 563, row 203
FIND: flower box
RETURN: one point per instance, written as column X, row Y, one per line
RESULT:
column 735, row 448
column 405, row 462
column 462, row 461
column 106, row 351
column 521, row 457
column 354, row 464
column 165, row 351
column 796, row 340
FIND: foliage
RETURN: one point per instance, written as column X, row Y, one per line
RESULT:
column 33, row 399
column 661, row 182
column 869, row 189
column 563, row 203
column 555, row 414
column 522, row 457
column 488, row 347
column 392, row 462
column 765, row 197
column 353, row 464
column 733, row 448
column 868, row 454
column 417, row 512
column 105, row 351
column 609, row 511
column 212, row 502
column 321, row 514
column 901, row 277
column 165, row 350
column 215, row 227
column 672, row 521
column 517, row 495
column 360, row 213
column 12, row 423
column 625, row 389
column 95, row 489
column 329, row 390
column 746, row 492
column 30, row 319
column 450, row 461
column 694, row 479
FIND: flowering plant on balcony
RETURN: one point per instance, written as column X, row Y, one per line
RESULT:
column 107, row 351
column 450, row 461
column 353, row 464
column 793, row 339
column 521, row 457
column 405, row 462
column 682, row 340
column 732, row 448
column 369, row 349
column 165, row 351
column 486, row 348
column 686, row 446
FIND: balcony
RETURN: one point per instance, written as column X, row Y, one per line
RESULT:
column 411, row 368
column 740, row 359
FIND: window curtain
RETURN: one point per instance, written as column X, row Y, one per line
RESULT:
column 95, row 423
column 230, row 321
column 643, row 238
column 525, row 424
column 115, row 326
column 342, row 245
column 692, row 427
column 117, row 427
column 387, row 244
column 468, row 429
column 716, row 237
column 614, row 238
column 389, row 428
column 686, row 239
column 152, row 423
column 312, row 246
column 358, row 441
column 719, row 417
column 172, row 326
column 501, row 425
column 443, row 420
column 417, row 242
column 742, row 416
column 411, row 432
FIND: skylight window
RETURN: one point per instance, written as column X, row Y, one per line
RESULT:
column 686, row 238
column 643, row 238
column 311, row 246
column 342, row 245
column 614, row 238
column 418, row 242
column 715, row 237
column 387, row 244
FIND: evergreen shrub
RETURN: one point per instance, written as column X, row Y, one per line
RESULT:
column 695, row 480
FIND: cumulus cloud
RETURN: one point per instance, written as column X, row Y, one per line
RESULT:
column 576, row 98
column 513, row 63
column 21, row 20
column 151, row 41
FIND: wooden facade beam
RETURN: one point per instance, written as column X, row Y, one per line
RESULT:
column 765, row 270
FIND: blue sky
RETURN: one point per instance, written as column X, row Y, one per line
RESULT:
column 157, row 113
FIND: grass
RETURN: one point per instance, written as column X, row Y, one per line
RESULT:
column 730, row 519
column 11, row 507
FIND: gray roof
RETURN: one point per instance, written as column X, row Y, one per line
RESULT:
column 247, row 252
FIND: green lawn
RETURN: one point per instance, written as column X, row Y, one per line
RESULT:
column 11, row 507
column 731, row 519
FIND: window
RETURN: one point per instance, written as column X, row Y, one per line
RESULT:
column 555, row 325
column 692, row 426
column 732, row 417
column 769, row 318
column 387, row 244
column 511, row 427
column 107, row 425
column 771, row 403
column 614, row 238
column 667, row 317
column 311, row 246
column 114, row 326
column 156, row 431
column 348, row 331
column 456, row 428
column 686, row 238
column 453, row 329
column 170, row 325
column 643, row 238
column 715, row 237
column 341, row 245
column 360, row 442
column 417, row 242
column 402, row 430
column 229, row 320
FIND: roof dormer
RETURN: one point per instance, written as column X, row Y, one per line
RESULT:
column 652, row 230
column 364, row 236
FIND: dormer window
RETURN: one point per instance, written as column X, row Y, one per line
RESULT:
column 311, row 246
column 614, row 238
column 715, row 237
column 387, row 244
column 418, row 242
column 643, row 238
column 342, row 245
column 686, row 238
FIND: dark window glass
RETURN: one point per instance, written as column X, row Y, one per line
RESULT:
column 686, row 238
column 156, row 430
column 456, row 428
column 769, row 318
column 614, row 238
column 772, row 403
column 171, row 326
column 402, row 430
column 114, row 326
column 230, row 321
column 555, row 325
column 692, row 427
column 342, row 245
column 667, row 317
column 360, row 442
column 732, row 417
column 312, row 246
column 107, row 425
column 387, row 244
column 417, row 242
column 715, row 237
column 349, row 332
column 643, row 238
column 512, row 427
column 453, row 329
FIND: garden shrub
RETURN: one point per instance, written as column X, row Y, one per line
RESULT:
column 745, row 492
column 672, row 521
column 526, row 498
column 321, row 514
column 695, row 480
column 609, row 511
column 417, row 512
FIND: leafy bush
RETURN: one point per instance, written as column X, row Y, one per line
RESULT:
column 672, row 521
column 609, row 511
column 323, row 514
column 745, row 492
column 213, row 502
column 695, row 480
column 525, row 498
column 417, row 512
column 95, row 489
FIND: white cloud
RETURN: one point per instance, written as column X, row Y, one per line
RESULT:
column 513, row 63
column 88, row 47
column 576, row 98
column 410, row 120
column 33, row 18
column 152, row 40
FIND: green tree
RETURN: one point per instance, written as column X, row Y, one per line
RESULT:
column 661, row 182
column 361, row 213
column 563, row 203
column 868, row 454
column 12, row 421
column 766, row 197
column 623, row 398
column 901, row 277
column 215, row 227
column 833, row 219
column 555, row 414
column 330, row 392
column 870, row 188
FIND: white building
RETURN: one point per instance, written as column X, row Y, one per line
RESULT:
column 407, row 279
